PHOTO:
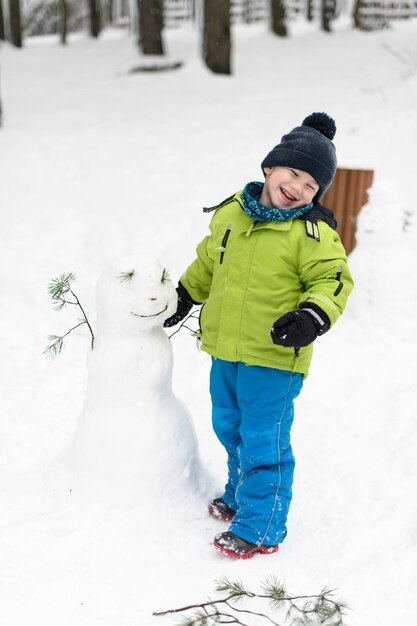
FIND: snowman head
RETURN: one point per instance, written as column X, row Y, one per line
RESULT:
column 134, row 294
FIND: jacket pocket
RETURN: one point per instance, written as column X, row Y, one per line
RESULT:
column 200, row 330
column 223, row 245
column 339, row 279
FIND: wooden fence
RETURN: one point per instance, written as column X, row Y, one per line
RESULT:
column 369, row 10
column 369, row 13
column 176, row 12
column 346, row 196
column 249, row 11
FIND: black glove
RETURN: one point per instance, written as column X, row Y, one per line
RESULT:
column 184, row 306
column 300, row 328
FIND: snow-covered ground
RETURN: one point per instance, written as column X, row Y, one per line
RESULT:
column 96, row 162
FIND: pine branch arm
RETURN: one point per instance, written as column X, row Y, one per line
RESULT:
column 85, row 318
column 183, row 323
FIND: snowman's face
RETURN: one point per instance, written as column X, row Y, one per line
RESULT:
column 136, row 293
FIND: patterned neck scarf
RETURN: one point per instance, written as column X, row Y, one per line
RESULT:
column 260, row 213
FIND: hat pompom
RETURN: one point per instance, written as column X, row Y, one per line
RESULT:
column 321, row 122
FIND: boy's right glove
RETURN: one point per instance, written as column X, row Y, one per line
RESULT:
column 300, row 328
column 184, row 306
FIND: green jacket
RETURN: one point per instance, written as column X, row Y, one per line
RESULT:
column 249, row 278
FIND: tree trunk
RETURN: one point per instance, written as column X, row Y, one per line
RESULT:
column 1, row 114
column 328, row 11
column 2, row 31
column 95, row 21
column 216, row 35
column 278, row 25
column 310, row 10
column 151, row 22
column 64, row 21
column 15, row 23
column 357, row 20
column 109, row 12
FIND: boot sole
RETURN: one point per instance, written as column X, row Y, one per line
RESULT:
column 246, row 555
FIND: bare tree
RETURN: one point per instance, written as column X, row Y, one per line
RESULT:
column 95, row 17
column 64, row 21
column 1, row 113
column 151, row 22
column 109, row 8
column 278, row 24
column 357, row 16
column 216, row 35
column 2, row 31
column 15, row 23
column 328, row 14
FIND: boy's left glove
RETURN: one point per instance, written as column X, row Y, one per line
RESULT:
column 184, row 306
column 300, row 328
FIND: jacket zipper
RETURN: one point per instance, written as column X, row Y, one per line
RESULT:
column 224, row 242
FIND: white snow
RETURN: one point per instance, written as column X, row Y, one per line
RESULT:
column 96, row 162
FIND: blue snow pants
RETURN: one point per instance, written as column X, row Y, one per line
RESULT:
column 253, row 410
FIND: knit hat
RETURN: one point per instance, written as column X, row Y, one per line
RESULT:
column 309, row 148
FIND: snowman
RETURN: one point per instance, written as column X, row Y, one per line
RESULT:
column 135, row 442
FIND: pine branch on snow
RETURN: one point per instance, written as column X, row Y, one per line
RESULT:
column 321, row 609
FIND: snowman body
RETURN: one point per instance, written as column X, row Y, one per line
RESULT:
column 135, row 438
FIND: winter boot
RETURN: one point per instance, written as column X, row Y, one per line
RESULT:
column 218, row 508
column 231, row 545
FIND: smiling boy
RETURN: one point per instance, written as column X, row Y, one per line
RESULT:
column 272, row 276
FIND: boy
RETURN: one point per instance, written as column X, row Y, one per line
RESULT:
column 272, row 277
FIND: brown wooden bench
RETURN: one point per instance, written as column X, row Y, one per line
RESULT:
column 346, row 196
